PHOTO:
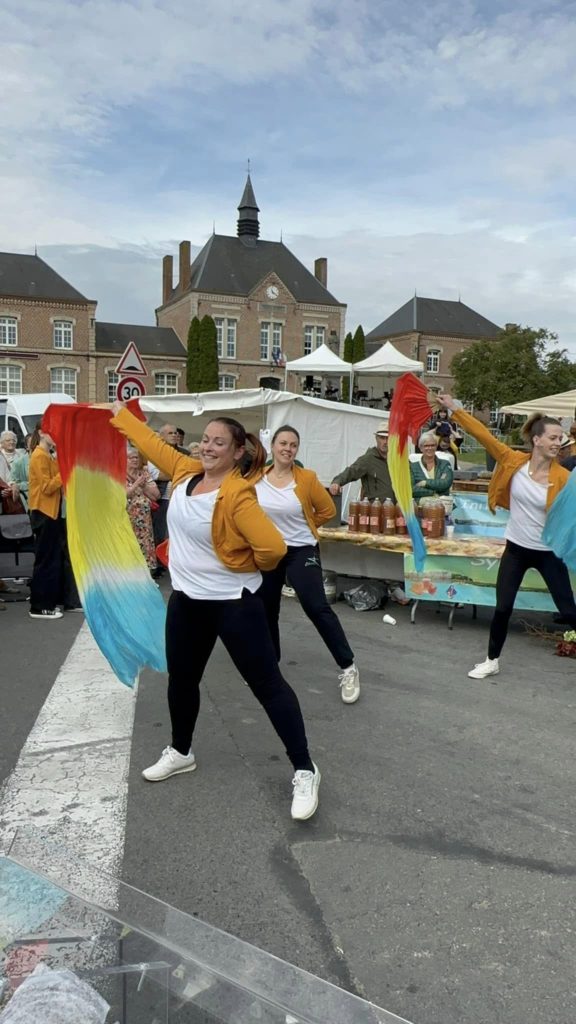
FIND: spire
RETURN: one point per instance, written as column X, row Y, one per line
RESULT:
column 248, row 224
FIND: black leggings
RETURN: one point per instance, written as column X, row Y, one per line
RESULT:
column 513, row 565
column 302, row 567
column 192, row 628
column 52, row 580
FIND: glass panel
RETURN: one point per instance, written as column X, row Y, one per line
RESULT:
column 264, row 341
column 320, row 335
column 308, row 337
column 113, row 379
column 10, row 380
column 146, row 960
column 219, row 321
column 231, row 340
column 8, row 330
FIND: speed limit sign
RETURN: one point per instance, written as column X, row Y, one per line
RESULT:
column 129, row 387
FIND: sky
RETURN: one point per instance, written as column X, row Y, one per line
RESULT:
column 426, row 147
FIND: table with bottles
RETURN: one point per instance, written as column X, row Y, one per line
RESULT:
column 461, row 565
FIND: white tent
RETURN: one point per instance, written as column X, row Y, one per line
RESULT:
column 333, row 434
column 322, row 362
column 388, row 360
column 561, row 406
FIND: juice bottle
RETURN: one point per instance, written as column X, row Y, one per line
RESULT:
column 376, row 516
column 354, row 516
column 364, row 517
column 401, row 527
column 389, row 517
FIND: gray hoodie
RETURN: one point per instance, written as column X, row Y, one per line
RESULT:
column 372, row 469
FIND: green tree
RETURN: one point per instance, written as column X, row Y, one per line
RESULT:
column 358, row 345
column 348, row 356
column 208, row 361
column 515, row 366
column 193, row 357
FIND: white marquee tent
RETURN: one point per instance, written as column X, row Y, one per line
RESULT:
column 561, row 405
column 320, row 363
column 388, row 360
column 333, row 434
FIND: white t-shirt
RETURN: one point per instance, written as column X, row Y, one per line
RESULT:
column 527, row 511
column 194, row 566
column 283, row 507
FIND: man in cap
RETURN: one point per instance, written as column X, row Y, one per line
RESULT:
column 371, row 469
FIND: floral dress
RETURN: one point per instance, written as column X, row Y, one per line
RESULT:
column 140, row 513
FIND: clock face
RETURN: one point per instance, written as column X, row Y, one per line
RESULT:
column 272, row 292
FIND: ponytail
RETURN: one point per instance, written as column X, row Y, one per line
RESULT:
column 257, row 458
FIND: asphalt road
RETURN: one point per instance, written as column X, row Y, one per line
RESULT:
column 437, row 877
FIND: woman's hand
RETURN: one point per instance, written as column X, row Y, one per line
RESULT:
column 447, row 401
column 117, row 406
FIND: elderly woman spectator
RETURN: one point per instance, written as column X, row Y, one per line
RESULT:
column 20, row 470
column 140, row 492
column 430, row 474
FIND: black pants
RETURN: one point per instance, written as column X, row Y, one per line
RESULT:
column 304, row 571
column 513, row 565
column 192, row 628
column 52, row 580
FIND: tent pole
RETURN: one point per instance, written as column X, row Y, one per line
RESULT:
column 351, row 386
column 285, row 377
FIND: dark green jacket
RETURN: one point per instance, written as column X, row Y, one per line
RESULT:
column 440, row 483
column 372, row 469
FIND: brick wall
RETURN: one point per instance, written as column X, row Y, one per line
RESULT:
column 247, row 368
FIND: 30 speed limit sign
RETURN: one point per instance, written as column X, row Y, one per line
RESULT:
column 129, row 387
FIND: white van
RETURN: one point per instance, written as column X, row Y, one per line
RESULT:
column 21, row 413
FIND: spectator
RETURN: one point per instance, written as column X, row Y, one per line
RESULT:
column 430, row 474
column 140, row 492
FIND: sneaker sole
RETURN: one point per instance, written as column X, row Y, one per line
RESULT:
column 47, row 618
column 306, row 817
column 485, row 675
column 350, row 700
column 177, row 771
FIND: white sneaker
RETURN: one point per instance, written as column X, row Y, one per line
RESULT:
column 489, row 667
column 288, row 591
column 170, row 763
column 45, row 613
column 350, row 684
column 305, row 799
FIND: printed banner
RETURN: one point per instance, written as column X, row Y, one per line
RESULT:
column 465, row 580
column 472, row 515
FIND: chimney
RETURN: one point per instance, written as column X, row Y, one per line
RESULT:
column 321, row 270
column 184, row 276
column 167, row 278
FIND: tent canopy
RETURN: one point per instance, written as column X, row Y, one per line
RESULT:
column 387, row 360
column 322, row 360
column 561, row 406
column 333, row 434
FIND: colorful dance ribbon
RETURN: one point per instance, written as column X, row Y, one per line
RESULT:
column 560, row 527
column 123, row 606
column 410, row 410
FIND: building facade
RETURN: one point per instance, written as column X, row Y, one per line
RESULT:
column 432, row 331
column 50, row 339
column 267, row 306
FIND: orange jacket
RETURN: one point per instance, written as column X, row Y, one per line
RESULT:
column 44, row 484
column 508, row 462
column 317, row 505
column 243, row 536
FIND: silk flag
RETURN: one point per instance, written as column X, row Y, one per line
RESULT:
column 560, row 526
column 123, row 606
column 410, row 410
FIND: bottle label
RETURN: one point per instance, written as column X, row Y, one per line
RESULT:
column 364, row 519
column 352, row 521
column 375, row 520
column 400, row 521
column 390, row 524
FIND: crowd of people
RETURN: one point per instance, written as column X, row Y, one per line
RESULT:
column 240, row 528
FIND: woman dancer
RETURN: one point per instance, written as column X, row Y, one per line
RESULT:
column 220, row 539
column 298, row 504
column 526, row 483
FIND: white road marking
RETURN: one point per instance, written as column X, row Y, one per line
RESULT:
column 70, row 784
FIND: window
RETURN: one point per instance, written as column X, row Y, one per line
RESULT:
column 276, row 341
column 219, row 321
column 8, row 330
column 113, row 379
column 265, row 340
column 433, row 360
column 165, row 383
column 313, row 338
column 63, row 334
column 10, row 380
column 226, row 332
column 226, row 382
column 63, row 380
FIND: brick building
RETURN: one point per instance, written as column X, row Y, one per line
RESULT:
column 433, row 331
column 50, row 339
column 266, row 304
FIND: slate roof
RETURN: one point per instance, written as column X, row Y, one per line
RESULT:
column 30, row 277
column 234, row 266
column 435, row 316
column 150, row 341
